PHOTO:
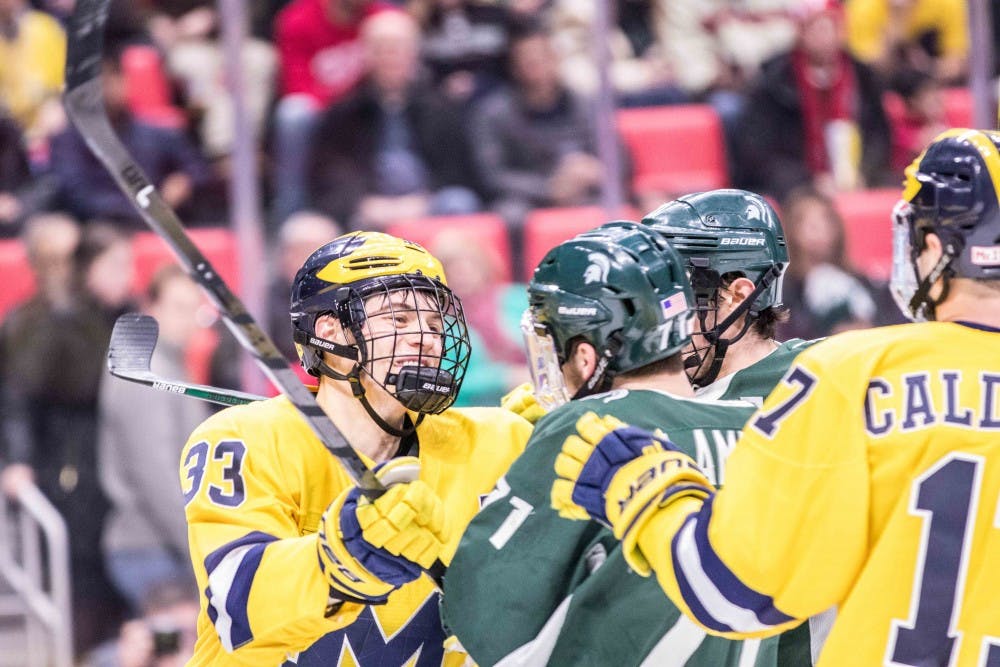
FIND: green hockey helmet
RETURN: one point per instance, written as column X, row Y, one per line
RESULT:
column 620, row 288
column 724, row 234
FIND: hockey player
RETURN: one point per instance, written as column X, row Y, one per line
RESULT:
column 735, row 252
column 735, row 255
column 733, row 248
column 881, row 451
column 609, row 315
column 294, row 563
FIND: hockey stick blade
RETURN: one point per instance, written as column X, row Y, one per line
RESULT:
column 130, row 352
column 83, row 99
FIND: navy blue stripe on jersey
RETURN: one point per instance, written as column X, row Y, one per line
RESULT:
column 715, row 595
column 231, row 569
column 213, row 559
column 728, row 583
column 976, row 325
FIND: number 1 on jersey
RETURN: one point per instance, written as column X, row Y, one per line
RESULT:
column 946, row 497
column 517, row 516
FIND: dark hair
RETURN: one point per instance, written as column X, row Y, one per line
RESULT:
column 766, row 324
column 910, row 81
column 525, row 29
column 790, row 207
column 768, row 319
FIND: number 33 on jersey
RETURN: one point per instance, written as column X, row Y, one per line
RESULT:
column 228, row 455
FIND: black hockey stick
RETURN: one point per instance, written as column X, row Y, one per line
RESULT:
column 131, row 350
column 84, row 102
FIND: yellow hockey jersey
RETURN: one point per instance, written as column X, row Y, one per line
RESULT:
column 256, row 481
column 869, row 481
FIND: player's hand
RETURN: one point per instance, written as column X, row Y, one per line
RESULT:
column 590, row 458
column 368, row 548
column 620, row 475
column 522, row 402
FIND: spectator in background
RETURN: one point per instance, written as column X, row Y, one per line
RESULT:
column 534, row 141
column 166, row 155
column 187, row 31
column 641, row 71
column 923, row 117
column 125, row 24
column 319, row 62
column 15, row 174
column 21, row 193
column 464, row 46
column 932, row 35
column 814, row 115
column 32, row 56
column 719, row 45
column 493, row 310
column 393, row 149
column 716, row 48
column 49, row 241
column 52, row 349
column 164, row 634
column 824, row 292
column 298, row 237
column 142, row 432
column 104, row 268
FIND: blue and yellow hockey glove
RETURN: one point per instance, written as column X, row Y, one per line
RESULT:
column 522, row 402
column 620, row 475
column 590, row 458
column 369, row 548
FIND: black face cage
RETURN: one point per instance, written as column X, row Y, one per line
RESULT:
column 701, row 367
column 419, row 321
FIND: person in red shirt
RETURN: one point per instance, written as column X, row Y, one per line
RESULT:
column 923, row 116
column 319, row 62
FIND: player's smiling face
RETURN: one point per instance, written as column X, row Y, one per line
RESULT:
column 402, row 328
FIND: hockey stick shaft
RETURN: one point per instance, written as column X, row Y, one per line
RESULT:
column 83, row 99
column 216, row 395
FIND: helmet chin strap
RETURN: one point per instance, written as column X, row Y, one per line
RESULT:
column 353, row 377
column 600, row 380
column 922, row 302
column 714, row 337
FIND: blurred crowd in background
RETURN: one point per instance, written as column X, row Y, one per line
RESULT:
column 369, row 113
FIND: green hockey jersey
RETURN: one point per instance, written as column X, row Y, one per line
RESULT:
column 756, row 381
column 528, row 587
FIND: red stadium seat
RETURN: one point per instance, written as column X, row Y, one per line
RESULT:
column 488, row 228
column 957, row 107
column 147, row 87
column 545, row 228
column 18, row 280
column 867, row 217
column 217, row 244
column 675, row 149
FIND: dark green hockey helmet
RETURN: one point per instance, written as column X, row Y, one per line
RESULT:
column 620, row 288
column 722, row 235
column 730, row 231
